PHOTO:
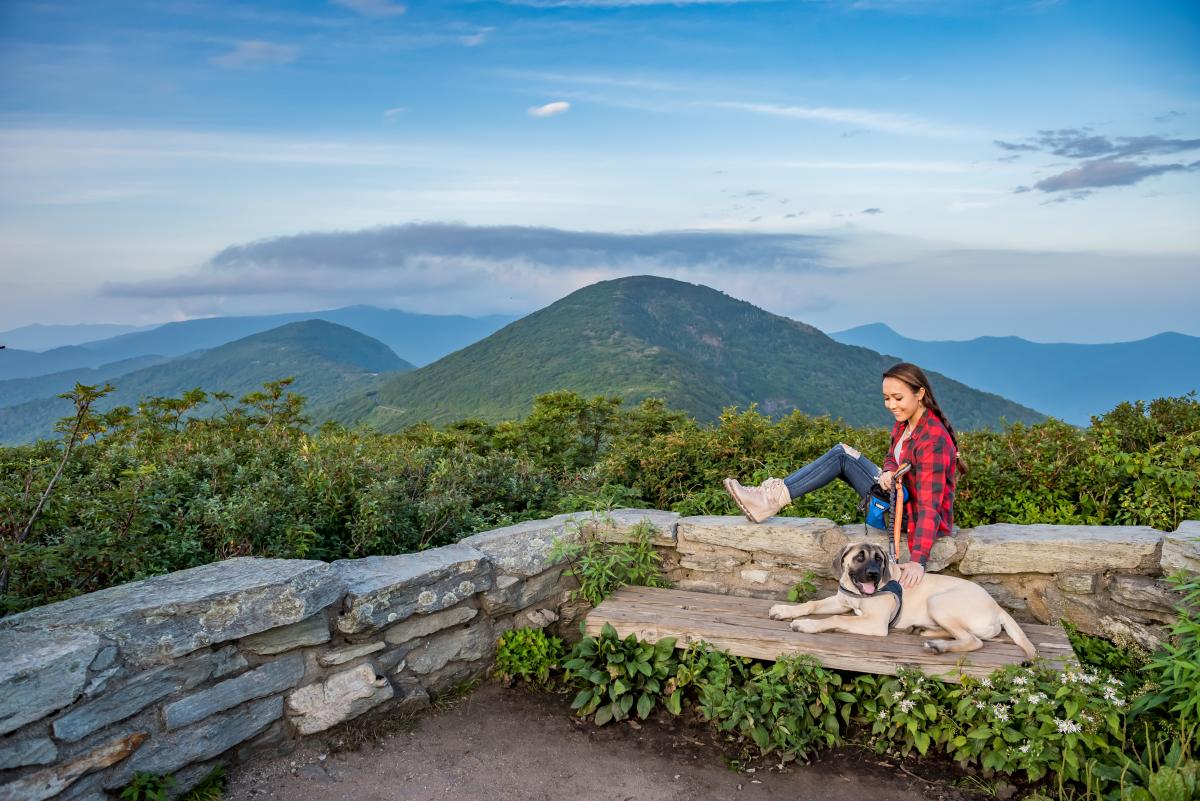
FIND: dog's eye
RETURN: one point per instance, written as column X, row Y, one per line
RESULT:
column 859, row 557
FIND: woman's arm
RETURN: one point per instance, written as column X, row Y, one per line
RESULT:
column 889, row 460
column 931, row 465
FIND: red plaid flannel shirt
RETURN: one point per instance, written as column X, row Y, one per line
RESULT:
column 929, row 510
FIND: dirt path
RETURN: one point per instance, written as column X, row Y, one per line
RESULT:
column 506, row 745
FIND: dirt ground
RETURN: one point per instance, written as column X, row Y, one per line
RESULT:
column 512, row 745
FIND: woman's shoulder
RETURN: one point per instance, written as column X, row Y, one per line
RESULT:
column 932, row 428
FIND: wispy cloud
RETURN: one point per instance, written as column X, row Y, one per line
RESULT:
column 1108, row 172
column 550, row 109
column 1105, row 161
column 625, row 3
column 477, row 38
column 256, row 53
column 862, row 118
column 373, row 8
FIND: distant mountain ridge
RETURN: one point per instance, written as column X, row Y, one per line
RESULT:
column 417, row 338
column 646, row 336
column 39, row 337
column 1072, row 382
column 327, row 361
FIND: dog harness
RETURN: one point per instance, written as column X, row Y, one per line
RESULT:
column 892, row 587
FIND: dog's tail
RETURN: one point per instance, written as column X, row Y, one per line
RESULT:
column 1018, row 636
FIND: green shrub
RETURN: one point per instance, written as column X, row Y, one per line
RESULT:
column 603, row 567
column 1175, row 668
column 620, row 677
column 527, row 654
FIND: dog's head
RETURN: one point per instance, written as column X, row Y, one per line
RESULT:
column 865, row 565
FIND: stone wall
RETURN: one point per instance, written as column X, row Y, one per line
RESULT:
column 221, row 663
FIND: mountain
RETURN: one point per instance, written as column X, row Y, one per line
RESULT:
column 328, row 361
column 38, row 337
column 643, row 337
column 418, row 338
column 19, row 390
column 1069, row 381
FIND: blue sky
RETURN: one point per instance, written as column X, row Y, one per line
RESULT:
column 1012, row 167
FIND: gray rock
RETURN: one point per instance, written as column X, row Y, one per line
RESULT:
column 392, row 660
column 1146, row 594
column 271, row 743
column 453, row 675
column 524, row 549
column 133, row 696
column 424, row 625
column 167, row 616
column 168, row 752
column 104, row 660
column 342, row 696
column 512, row 593
column 695, row 585
column 100, row 681
column 30, row 751
column 273, row 677
column 617, row 525
column 805, row 542
column 1079, row 583
column 468, row 644
column 41, row 672
column 341, row 656
column 413, row 696
column 713, row 563
column 382, row 590
column 52, row 781
column 1181, row 549
column 1009, row 548
column 310, row 631
column 227, row 660
column 191, row 776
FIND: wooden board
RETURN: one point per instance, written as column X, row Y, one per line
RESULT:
column 741, row 627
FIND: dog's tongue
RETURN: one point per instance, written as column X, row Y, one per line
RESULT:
column 868, row 587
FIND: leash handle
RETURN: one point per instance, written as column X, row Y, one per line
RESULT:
column 898, row 508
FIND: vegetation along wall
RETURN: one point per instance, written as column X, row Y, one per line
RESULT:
column 218, row 663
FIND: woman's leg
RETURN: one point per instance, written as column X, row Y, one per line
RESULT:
column 840, row 461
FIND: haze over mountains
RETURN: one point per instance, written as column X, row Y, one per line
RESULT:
column 634, row 337
column 416, row 338
column 1069, row 381
column 644, row 337
column 327, row 361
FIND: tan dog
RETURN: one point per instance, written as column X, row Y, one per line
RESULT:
column 957, row 613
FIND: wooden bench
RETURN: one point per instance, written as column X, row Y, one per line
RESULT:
column 741, row 627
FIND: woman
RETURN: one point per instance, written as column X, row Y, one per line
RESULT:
column 922, row 436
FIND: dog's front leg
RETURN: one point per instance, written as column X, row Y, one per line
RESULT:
column 833, row 605
column 848, row 624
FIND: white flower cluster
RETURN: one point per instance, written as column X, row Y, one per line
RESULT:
column 1067, row 726
column 1020, row 681
column 907, row 704
column 985, row 682
column 1110, row 695
column 896, row 696
column 1036, row 698
column 979, row 704
column 1071, row 677
column 1025, row 746
column 1000, row 712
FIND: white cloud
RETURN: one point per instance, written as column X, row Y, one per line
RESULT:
column 255, row 52
column 373, row 8
column 475, row 39
column 863, row 118
column 392, row 113
column 550, row 109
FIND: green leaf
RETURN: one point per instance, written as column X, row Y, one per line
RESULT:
column 604, row 714
column 581, row 699
column 922, row 741
column 645, row 704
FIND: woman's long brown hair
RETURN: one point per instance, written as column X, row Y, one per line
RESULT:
column 917, row 380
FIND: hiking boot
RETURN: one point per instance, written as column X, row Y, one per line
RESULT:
column 759, row 503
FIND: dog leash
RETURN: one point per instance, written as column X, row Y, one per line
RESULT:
column 898, row 509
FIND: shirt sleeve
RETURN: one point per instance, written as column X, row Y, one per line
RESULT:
column 928, row 476
column 889, row 460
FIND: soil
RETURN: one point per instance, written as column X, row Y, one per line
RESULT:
column 509, row 744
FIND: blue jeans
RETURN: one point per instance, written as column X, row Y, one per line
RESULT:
column 840, row 461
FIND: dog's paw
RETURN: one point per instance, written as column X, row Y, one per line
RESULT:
column 932, row 647
column 806, row 626
column 781, row 612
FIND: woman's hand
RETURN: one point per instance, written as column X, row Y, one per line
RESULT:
column 885, row 480
column 911, row 574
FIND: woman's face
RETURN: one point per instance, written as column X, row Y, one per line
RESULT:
column 899, row 399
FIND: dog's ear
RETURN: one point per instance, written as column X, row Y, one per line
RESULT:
column 885, row 575
column 838, row 569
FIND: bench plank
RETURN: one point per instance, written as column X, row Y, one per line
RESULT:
column 741, row 627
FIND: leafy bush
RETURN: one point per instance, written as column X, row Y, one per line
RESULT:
column 1175, row 668
column 618, row 674
column 603, row 567
column 527, row 654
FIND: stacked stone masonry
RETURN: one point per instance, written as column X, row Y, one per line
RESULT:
column 219, row 664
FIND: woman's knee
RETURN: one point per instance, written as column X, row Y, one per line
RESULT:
column 846, row 449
